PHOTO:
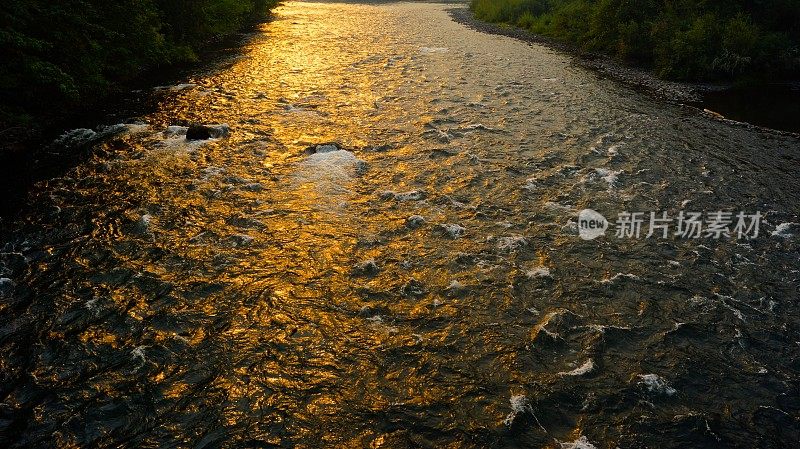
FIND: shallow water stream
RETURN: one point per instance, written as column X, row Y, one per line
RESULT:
column 417, row 283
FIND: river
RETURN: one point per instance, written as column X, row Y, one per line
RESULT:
column 383, row 253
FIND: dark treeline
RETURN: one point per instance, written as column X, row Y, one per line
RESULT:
column 742, row 40
column 59, row 54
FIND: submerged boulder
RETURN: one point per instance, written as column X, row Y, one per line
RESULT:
column 205, row 132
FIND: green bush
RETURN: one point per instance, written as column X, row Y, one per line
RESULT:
column 678, row 39
column 58, row 54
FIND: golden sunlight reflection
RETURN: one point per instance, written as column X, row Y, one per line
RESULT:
column 381, row 252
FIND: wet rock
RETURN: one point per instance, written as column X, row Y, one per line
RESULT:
column 241, row 240
column 322, row 148
column 412, row 195
column 205, row 132
column 253, row 187
column 713, row 114
column 413, row 288
column 198, row 132
column 366, row 268
column 6, row 287
column 326, row 148
column 415, row 221
column 143, row 224
column 453, row 231
column 465, row 258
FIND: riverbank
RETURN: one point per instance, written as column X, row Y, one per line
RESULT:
column 27, row 155
column 679, row 92
column 718, row 101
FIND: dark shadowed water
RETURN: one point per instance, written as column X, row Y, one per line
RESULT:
column 774, row 106
column 419, row 284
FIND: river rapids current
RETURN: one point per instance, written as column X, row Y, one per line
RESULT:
column 380, row 249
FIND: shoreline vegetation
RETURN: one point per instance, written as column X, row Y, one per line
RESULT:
column 64, row 58
column 740, row 42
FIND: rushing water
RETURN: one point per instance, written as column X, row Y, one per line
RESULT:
column 251, row 292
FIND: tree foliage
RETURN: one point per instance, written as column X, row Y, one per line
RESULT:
column 679, row 39
column 58, row 53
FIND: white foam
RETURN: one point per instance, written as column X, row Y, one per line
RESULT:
column 137, row 128
column 455, row 286
column 411, row 195
column 538, row 272
column 242, row 239
column 724, row 300
column 429, row 50
column 602, row 327
column 75, row 137
column 512, row 243
column 173, row 131
column 377, row 323
column 580, row 443
column 586, row 368
column 519, row 404
column 176, row 87
column 138, row 354
column 570, row 228
column 656, row 384
column 209, row 172
column 183, row 86
column 330, row 171
column 619, row 276
column 480, row 127
column 783, row 230
column 609, row 176
column 176, row 142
